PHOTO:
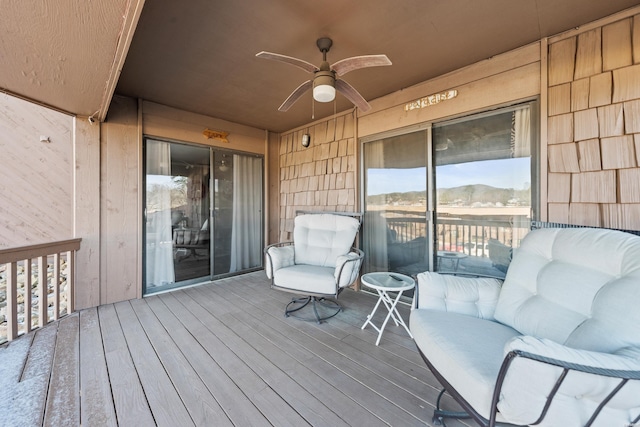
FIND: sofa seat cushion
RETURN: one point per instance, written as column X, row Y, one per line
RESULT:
column 306, row 278
column 466, row 351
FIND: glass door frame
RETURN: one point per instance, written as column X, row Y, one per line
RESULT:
column 213, row 152
column 224, row 151
column 430, row 214
column 430, row 200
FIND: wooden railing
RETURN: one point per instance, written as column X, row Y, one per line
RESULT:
column 459, row 234
column 470, row 236
column 36, row 286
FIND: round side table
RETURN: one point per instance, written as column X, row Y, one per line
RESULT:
column 383, row 283
column 453, row 257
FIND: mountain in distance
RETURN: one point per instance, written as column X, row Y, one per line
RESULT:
column 465, row 195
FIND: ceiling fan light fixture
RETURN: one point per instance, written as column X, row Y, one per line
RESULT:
column 323, row 87
column 324, row 93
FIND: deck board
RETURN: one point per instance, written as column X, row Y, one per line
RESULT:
column 167, row 407
column 63, row 398
column 25, row 369
column 198, row 400
column 294, row 399
column 406, row 409
column 217, row 354
column 97, row 404
column 129, row 400
column 214, row 339
column 235, row 403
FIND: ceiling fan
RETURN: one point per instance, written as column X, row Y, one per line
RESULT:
column 324, row 82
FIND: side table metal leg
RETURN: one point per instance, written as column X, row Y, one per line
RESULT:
column 370, row 316
column 393, row 313
column 386, row 301
column 400, row 320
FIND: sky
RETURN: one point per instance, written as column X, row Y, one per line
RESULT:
column 503, row 173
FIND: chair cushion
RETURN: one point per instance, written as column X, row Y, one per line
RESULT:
column 466, row 351
column 319, row 239
column 307, row 279
column 579, row 287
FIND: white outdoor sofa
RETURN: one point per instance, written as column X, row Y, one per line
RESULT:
column 556, row 344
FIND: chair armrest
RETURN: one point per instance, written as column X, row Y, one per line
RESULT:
column 473, row 296
column 348, row 267
column 548, row 351
column 277, row 256
column 580, row 380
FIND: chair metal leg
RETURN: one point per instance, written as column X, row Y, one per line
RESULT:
column 296, row 304
column 303, row 303
column 440, row 414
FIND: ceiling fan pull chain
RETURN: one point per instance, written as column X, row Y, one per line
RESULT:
column 334, row 119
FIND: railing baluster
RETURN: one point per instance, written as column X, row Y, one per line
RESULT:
column 43, row 300
column 71, row 281
column 28, row 283
column 56, row 286
column 12, row 301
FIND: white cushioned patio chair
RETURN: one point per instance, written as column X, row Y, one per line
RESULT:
column 318, row 264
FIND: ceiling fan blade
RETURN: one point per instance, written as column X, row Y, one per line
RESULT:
column 343, row 66
column 352, row 95
column 308, row 67
column 295, row 95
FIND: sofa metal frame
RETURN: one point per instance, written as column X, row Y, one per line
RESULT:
column 439, row 415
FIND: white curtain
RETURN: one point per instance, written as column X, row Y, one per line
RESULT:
column 521, row 133
column 159, row 240
column 246, row 227
column 374, row 226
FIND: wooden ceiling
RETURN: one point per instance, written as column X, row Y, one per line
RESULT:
column 199, row 55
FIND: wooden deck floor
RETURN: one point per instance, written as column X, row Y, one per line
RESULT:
column 220, row 354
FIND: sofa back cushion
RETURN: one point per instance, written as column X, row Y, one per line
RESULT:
column 319, row 239
column 576, row 286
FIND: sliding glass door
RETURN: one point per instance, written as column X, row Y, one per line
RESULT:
column 395, row 228
column 483, row 176
column 237, row 213
column 203, row 214
column 454, row 196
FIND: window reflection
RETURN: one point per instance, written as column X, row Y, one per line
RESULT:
column 483, row 191
column 482, row 195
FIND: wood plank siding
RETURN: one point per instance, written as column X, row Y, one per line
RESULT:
column 217, row 354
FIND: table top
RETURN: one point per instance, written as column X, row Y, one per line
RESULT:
column 450, row 254
column 388, row 281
